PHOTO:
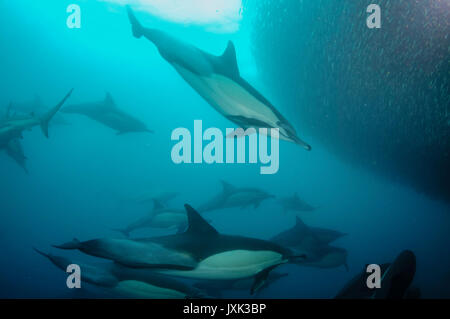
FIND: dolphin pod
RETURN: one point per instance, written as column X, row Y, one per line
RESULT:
column 199, row 253
column 128, row 282
column 217, row 79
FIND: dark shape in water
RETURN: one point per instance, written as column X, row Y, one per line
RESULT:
column 107, row 113
column 296, row 204
column 396, row 280
column 232, row 196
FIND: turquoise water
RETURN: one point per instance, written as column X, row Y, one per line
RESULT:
column 81, row 178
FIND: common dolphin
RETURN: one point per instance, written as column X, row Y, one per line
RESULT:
column 107, row 113
column 199, row 253
column 294, row 203
column 36, row 107
column 160, row 217
column 13, row 128
column 302, row 238
column 302, row 235
column 396, row 278
column 128, row 282
column 217, row 79
column 232, row 196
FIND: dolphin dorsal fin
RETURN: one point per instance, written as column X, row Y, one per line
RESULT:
column 197, row 224
column 299, row 223
column 227, row 187
column 229, row 59
column 109, row 102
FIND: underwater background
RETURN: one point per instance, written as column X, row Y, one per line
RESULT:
column 374, row 105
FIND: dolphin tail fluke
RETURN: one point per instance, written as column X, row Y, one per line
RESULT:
column 138, row 30
column 74, row 244
column 49, row 115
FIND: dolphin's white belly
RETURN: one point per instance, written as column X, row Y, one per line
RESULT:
column 235, row 264
column 139, row 289
column 228, row 97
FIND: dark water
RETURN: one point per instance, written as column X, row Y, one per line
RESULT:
column 373, row 104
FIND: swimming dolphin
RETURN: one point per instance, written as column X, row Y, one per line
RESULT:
column 11, row 128
column 199, row 253
column 160, row 217
column 396, row 278
column 302, row 235
column 294, row 203
column 302, row 238
column 218, row 81
column 128, row 282
column 37, row 108
column 232, row 196
column 107, row 113
column 216, row 287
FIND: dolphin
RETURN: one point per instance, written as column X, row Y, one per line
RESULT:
column 201, row 252
column 232, row 196
column 160, row 217
column 216, row 287
column 128, row 282
column 13, row 128
column 301, row 235
column 302, row 238
column 294, row 203
column 396, row 278
column 107, row 113
column 36, row 107
column 217, row 79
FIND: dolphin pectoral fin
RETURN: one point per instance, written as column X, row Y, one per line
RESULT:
column 260, row 279
column 138, row 30
column 49, row 115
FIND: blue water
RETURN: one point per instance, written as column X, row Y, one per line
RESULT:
column 78, row 178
